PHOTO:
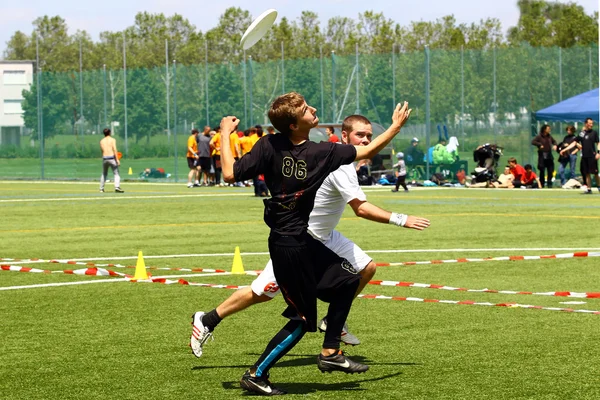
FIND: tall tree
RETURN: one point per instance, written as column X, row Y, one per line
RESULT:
column 544, row 23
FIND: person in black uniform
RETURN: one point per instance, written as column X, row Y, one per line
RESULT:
column 590, row 153
column 306, row 270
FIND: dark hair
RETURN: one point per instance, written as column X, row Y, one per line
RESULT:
column 570, row 128
column 247, row 132
column 528, row 167
column 195, row 131
column 106, row 131
column 543, row 128
column 259, row 130
column 349, row 122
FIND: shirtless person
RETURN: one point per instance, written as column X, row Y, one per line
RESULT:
column 110, row 159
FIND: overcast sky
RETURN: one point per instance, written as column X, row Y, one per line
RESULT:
column 116, row 15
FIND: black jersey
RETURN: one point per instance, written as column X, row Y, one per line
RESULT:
column 589, row 142
column 293, row 174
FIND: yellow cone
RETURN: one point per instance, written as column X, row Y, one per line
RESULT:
column 130, row 171
column 237, row 267
column 140, row 268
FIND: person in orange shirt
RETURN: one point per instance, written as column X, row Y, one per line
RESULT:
column 215, row 145
column 253, row 135
column 245, row 142
column 192, row 157
column 234, row 144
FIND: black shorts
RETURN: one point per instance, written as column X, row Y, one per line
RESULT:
column 589, row 165
column 191, row 162
column 216, row 161
column 305, row 270
column 204, row 163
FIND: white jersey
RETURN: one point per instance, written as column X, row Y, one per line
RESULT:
column 340, row 187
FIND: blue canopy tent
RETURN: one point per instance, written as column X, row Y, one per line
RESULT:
column 577, row 108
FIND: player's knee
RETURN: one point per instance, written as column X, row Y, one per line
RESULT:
column 262, row 298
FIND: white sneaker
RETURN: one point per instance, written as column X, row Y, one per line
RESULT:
column 200, row 334
column 346, row 337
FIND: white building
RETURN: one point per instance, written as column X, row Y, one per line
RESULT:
column 15, row 76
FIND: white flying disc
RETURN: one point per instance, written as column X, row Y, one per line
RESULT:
column 258, row 28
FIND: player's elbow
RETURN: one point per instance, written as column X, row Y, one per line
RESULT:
column 228, row 177
column 360, row 212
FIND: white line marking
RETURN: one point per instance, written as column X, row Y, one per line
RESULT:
column 117, row 197
column 44, row 285
column 367, row 251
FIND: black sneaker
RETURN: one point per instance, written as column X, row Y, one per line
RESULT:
column 339, row 362
column 119, row 190
column 588, row 192
column 259, row 385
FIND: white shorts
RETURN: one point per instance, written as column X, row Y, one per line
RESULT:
column 266, row 284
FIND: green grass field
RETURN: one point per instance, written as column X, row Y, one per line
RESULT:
column 129, row 340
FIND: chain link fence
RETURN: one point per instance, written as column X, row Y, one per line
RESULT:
column 478, row 96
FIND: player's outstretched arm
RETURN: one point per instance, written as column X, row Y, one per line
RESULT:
column 366, row 210
column 228, row 125
column 399, row 118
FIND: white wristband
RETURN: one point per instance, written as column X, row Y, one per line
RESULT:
column 398, row 219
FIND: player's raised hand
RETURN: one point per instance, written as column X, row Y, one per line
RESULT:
column 401, row 114
column 229, row 124
column 417, row 223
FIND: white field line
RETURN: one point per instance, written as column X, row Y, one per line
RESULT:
column 44, row 285
column 104, row 198
column 266, row 253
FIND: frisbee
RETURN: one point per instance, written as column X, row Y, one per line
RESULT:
column 258, row 28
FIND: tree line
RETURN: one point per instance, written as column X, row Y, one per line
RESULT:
column 474, row 68
column 541, row 23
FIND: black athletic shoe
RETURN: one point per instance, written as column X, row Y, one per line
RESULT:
column 259, row 385
column 339, row 362
column 119, row 190
column 588, row 192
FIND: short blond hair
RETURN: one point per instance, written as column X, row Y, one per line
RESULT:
column 284, row 111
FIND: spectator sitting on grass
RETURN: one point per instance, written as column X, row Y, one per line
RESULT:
column 517, row 171
column 505, row 180
column 530, row 180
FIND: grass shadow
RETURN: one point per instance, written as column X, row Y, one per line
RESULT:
column 301, row 360
column 312, row 387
